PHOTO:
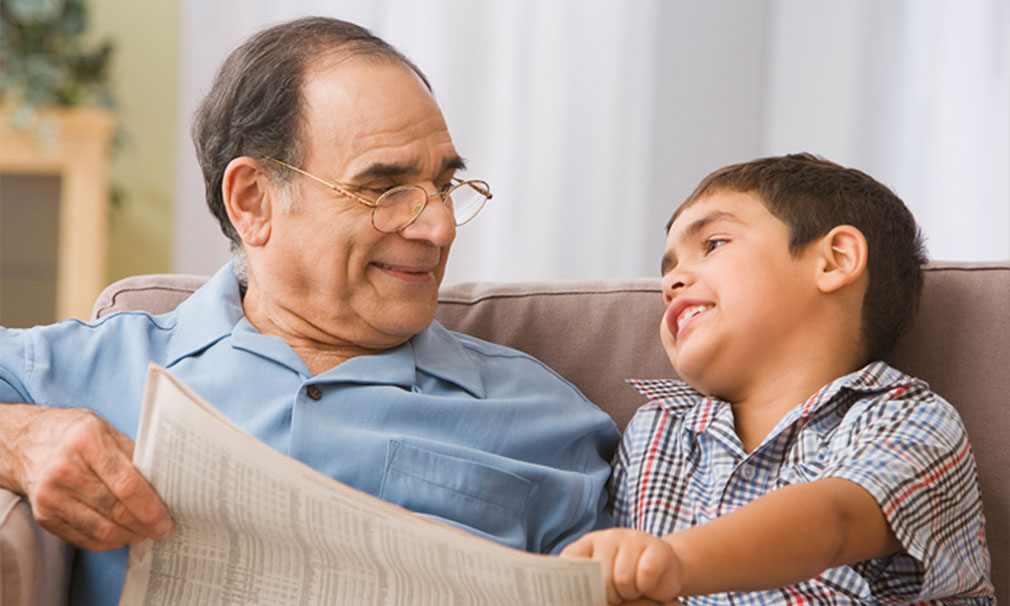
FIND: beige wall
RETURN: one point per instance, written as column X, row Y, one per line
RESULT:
column 145, row 73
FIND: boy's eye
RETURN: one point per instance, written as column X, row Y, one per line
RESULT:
column 714, row 243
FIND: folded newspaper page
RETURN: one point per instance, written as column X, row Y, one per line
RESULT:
column 257, row 527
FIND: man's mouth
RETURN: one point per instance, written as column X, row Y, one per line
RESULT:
column 407, row 272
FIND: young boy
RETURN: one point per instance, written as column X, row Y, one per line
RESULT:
column 793, row 466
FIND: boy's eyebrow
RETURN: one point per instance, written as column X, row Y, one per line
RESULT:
column 669, row 260
column 700, row 224
column 379, row 170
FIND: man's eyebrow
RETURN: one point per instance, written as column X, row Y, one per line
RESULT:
column 380, row 170
column 453, row 163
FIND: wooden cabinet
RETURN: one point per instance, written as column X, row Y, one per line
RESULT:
column 72, row 144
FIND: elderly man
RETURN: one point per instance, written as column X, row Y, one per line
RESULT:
column 330, row 168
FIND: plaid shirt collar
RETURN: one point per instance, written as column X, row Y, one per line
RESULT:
column 698, row 411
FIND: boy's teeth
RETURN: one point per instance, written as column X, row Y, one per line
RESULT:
column 689, row 313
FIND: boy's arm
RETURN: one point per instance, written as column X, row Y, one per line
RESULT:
column 785, row 537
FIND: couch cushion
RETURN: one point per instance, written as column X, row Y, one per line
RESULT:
column 593, row 333
column 34, row 565
column 154, row 293
column 960, row 344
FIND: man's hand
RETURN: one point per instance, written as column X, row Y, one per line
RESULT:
column 76, row 470
column 635, row 565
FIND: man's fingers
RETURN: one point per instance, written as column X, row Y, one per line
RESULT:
column 91, row 465
column 83, row 526
column 133, row 502
column 136, row 504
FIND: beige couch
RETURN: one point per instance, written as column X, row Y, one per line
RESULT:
column 596, row 333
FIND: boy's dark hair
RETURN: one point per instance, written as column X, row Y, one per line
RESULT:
column 812, row 196
column 254, row 107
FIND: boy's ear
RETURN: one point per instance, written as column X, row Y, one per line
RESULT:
column 842, row 255
column 247, row 200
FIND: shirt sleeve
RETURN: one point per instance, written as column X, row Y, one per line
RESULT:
column 13, row 365
column 908, row 448
column 625, row 480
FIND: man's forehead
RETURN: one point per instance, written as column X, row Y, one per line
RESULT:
column 374, row 115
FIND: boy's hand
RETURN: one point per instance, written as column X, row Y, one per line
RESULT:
column 635, row 565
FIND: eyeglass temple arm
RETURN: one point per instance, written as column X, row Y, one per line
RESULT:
column 478, row 185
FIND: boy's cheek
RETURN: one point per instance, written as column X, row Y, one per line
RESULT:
column 669, row 344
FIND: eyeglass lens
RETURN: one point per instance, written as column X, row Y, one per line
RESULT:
column 398, row 207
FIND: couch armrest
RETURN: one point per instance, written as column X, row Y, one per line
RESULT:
column 34, row 565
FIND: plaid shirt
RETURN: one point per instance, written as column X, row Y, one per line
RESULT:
column 681, row 464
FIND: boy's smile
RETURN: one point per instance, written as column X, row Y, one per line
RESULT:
column 733, row 288
column 679, row 316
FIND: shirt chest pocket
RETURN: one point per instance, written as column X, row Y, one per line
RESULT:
column 477, row 497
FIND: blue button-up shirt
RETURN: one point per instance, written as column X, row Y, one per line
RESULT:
column 477, row 435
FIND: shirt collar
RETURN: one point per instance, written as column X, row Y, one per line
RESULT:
column 435, row 351
column 208, row 315
column 698, row 411
column 215, row 311
column 440, row 353
column 874, row 377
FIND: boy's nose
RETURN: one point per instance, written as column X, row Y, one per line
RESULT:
column 673, row 281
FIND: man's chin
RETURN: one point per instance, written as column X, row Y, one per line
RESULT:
column 408, row 320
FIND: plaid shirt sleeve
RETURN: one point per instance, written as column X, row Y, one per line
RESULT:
column 626, row 479
column 908, row 448
column 621, row 493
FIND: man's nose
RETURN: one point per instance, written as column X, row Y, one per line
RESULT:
column 436, row 223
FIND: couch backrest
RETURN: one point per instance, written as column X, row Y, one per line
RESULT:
column 598, row 333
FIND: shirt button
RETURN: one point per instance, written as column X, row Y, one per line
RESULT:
column 747, row 472
column 314, row 392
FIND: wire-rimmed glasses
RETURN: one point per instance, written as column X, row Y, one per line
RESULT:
column 400, row 206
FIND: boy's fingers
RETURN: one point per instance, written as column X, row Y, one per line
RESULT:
column 579, row 548
column 625, row 570
column 602, row 547
column 658, row 575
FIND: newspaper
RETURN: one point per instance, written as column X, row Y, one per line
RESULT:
column 257, row 527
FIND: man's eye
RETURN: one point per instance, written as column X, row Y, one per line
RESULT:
column 714, row 243
column 376, row 190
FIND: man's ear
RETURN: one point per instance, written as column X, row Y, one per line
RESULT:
column 842, row 259
column 247, row 200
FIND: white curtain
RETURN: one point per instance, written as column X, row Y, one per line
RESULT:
column 592, row 119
